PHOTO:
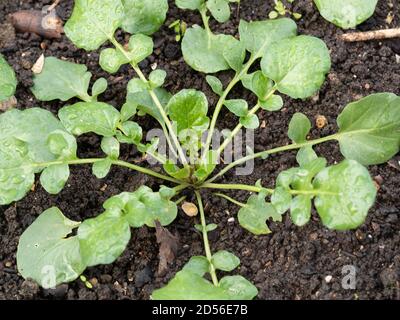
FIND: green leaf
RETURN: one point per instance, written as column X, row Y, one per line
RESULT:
column 234, row 54
column 130, row 132
column 238, row 288
column 111, row 60
column 225, row 261
column 297, row 65
column 101, row 168
column 346, row 14
column 215, row 84
column 189, row 285
column 144, row 16
column 103, row 239
column 110, row 147
column 255, row 213
column 238, row 107
column 143, row 206
column 198, row 265
column 128, row 110
column 305, row 156
column 219, row 9
column 62, row 144
column 99, row 87
column 273, row 103
column 204, row 52
column 207, row 165
column 45, row 253
column 53, row 178
column 300, row 210
column 370, row 129
column 174, row 171
column 93, row 22
column 250, row 121
column 157, row 78
column 345, row 194
column 140, row 47
column 8, row 80
column 26, row 139
column 299, row 128
column 82, row 117
column 61, row 80
column 189, row 4
column 188, row 109
column 145, row 103
column 258, row 36
column 281, row 199
column 259, row 84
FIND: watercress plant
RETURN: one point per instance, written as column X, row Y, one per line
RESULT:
column 8, row 81
column 55, row 249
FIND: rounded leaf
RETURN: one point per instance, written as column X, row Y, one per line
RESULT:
column 225, row 261
column 93, row 22
column 53, row 178
column 370, row 129
column 144, row 16
column 8, row 80
column 45, row 253
column 345, row 193
column 297, row 65
column 346, row 14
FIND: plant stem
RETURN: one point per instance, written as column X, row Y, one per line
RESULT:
column 155, row 100
column 272, row 151
column 180, row 200
column 205, row 239
column 114, row 162
column 234, row 187
column 205, row 19
column 238, row 76
column 261, row 189
column 240, row 204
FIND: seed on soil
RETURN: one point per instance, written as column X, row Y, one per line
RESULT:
column 38, row 66
column 320, row 121
column 190, row 209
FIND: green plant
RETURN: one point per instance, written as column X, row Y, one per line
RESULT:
column 8, row 81
column 280, row 10
column 346, row 14
column 35, row 141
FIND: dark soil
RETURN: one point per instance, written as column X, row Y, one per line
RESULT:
column 291, row 263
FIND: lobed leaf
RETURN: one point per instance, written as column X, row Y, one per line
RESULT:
column 297, row 65
column 255, row 213
column 104, row 238
column 8, row 80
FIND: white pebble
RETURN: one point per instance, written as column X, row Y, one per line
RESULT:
column 328, row 279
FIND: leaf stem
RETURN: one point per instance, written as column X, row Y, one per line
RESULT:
column 240, row 204
column 272, row 151
column 238, row 76
column 114, row 162
column 155, row 100
column 245, row 187
column 205, row 239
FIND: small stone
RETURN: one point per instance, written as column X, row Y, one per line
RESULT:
column 142, row 277
column 231, row 220
column 314, row 236
column 328, row 278
column 8, row 264
column 94, row 281
column 105, row 278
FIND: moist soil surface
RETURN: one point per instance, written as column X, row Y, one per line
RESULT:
column 290, row 263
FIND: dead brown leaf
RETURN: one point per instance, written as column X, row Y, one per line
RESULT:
column 168, row 249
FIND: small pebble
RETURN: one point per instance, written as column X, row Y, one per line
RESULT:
column 231, row 220
column 328, row 278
